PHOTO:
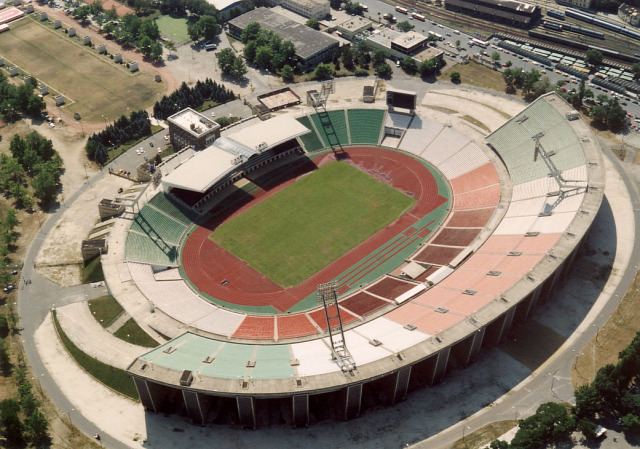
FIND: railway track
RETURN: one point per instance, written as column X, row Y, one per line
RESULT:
column 485, row 28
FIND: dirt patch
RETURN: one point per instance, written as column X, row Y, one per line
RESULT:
column 476, row 122
column 441, row 109
column 620, row 153
column 614, row 336
column 121, row 9
column 484, row 435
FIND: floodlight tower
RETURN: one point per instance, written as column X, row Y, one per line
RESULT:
column 328, row 295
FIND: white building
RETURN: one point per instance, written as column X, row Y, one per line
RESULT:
column 629, row 14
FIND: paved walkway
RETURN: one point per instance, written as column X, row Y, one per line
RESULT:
column 85, row 332
column 118, row 322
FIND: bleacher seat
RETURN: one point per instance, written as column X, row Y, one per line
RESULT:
column 164, row 204
column 157, row 225
column 310, row 141
column 365, row 125
column 332, row 126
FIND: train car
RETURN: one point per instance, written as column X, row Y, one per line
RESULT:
column 574, row 13
column 402, row 10
column 555, row 14
column 585, row 31
column 630, row 33
column 552, row 25
column 608, row 25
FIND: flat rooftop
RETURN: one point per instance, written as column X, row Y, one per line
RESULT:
column 193, row 122
column 355, row 23
column 307, row 41
column 384, row 37
column 409, row 39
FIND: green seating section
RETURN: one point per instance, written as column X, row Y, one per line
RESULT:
column 169, row 207
column 311, row 141
column 332, row 127
column 365, row 125
column 141, row 248
column 157, row 225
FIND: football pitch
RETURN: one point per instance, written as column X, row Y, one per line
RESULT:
column 95, row 87
column 297, row 232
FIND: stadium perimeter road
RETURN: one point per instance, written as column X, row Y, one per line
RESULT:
column 550, row 380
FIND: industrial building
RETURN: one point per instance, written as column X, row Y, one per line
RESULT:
column 511, row 12
column 312, row 47
column 629, row 14
column 401, row 45
column 188, row 127
column 316, row 9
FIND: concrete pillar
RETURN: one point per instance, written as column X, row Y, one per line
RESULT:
column 192, row 404
column 440, row 367
column 478, row 337
column 401, row 385
column 523, row 307
column 352, row 400
column 300, row 405
column 497, row 328
column 246, row 412
column 145, row 394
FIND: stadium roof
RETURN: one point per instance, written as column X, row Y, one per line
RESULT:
column 205, row 168
column 272, row 132
column 202, row 170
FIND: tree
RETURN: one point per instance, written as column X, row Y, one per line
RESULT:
column 45, row 187
column 405, row 26
column 499, row 444
column 458, row 43
column 209, row 27
column 529, row 80
column 322, row 72
column 383, row 70
column 409, row 65
column 10, row 422
column 588, row 428
column 615, row 115
column 541, row 87
column 313, row 23
column 4, row 325
column 630, row 423
column 144, row 44
column 226, row 58
column 287, row 73
column 37, row 427
column 455, row 77
column 509, row 63
column 239, row 69
column 347, row 58
column 593, row 57
column 264, row 57
column 551, row 422
column 427, row 68
column 587, row 401
column 495, row 57
column 378, row 57
column 250, row 32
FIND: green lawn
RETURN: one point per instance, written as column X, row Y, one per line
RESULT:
column 92, row 272
column 313, row 222
column 132, row 333
column 174, row 28
column 105, row 309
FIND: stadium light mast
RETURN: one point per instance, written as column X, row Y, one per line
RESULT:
column 328, row 296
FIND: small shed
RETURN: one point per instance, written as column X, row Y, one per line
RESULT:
column 71, row 32
column 59, row 100
column 117, row 57
column 43, row 16
column 57, row 24
column 86, row 40
column 102, row 49
column 43, row 89
column 13, row 71
column 29, row 8
column 133, row 66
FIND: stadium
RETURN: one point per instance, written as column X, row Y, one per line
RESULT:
column 313, row 267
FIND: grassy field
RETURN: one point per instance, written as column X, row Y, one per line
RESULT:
column 92, row 272
column 105, row 309
column 308, row 225
column 476, row 75
column 132, row 333
column 93, row 86
column 114, row 378
column 174, row 28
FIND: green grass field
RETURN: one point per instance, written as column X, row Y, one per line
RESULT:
column 105, row 309
column 92, row 85
column 311, row 223
column 174, row 28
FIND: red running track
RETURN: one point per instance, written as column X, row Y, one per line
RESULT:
column 208, row 265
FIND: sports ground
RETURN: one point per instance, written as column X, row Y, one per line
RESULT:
column 311, row 223
column 92, row 85
column 358, row 236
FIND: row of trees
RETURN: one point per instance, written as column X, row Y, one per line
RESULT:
column 195, row 7
column 35, row 159
column 266, row 49
column 122, row 131
column 192, row 97
column 18, row 100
